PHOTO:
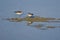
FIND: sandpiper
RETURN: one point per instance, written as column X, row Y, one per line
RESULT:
column 30, row 15
column 18, row 12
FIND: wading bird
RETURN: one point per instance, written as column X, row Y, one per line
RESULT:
column 19, row 13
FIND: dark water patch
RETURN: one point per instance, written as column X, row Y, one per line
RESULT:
column 50, row 27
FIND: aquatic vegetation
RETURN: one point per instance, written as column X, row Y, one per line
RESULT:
column 36, row 19
column 15, row 19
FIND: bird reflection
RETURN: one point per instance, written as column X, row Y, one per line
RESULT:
column 29, row 23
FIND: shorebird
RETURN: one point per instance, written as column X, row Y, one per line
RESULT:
column 18, row 12
column 30, row 15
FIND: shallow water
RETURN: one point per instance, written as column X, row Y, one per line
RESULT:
column 34, row 31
